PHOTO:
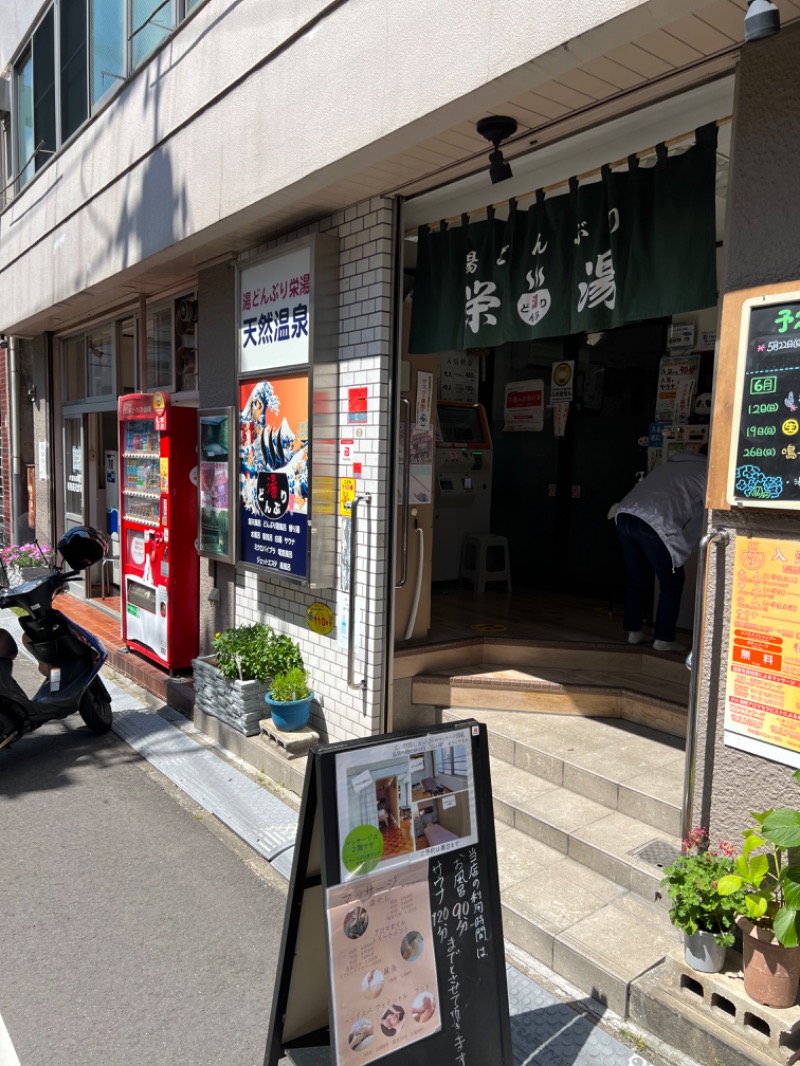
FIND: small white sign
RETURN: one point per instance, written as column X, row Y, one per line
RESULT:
column 562, row 382
column 680, row 335
column 43, row 460
column 361, row 781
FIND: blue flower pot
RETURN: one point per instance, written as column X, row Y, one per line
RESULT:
column 292, row 715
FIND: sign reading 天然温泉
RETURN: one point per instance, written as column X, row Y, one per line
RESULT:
column 275, row 298
column 581, row 261
column 762, row 701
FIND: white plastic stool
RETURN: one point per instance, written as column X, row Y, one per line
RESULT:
column 484, row 558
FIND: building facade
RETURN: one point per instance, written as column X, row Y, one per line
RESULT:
column 149, row 167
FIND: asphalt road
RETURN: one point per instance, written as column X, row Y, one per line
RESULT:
column 135, row 928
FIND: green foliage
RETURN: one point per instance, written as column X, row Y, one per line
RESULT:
column 770, row 884
column 255, row 653
column 693, row 886
column 23, row 555
column 293, row 685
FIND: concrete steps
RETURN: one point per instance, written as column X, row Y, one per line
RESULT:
column 614, row 681
column 576, row 801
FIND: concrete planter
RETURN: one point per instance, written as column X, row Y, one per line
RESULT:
column 238, row 703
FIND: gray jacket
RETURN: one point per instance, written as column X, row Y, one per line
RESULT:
column 671, row 501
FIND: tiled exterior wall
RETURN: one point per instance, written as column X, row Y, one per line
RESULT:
column 365, row 345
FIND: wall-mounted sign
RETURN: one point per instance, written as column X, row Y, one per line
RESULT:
column 765, row 431
column 273, row 474
column 524, row 406
column 319, row 618
column 562, row 382
column 680, row 335
column 762, row 700
column 357, row 405
column 275, row 301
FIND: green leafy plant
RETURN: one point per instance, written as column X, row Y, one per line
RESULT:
column 692, row 882
column 293, row 685
column 769, row 879
column 255, row 653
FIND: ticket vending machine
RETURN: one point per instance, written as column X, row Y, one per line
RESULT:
column 463, row 484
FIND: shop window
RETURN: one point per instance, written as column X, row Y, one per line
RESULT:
column 186, row 344
column 126, row 361
column 159, row 349
column 74, row 368
column 99, row 363
column 74, row 101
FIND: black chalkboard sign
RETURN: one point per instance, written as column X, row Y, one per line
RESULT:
column 392, row 945
column 765, row 453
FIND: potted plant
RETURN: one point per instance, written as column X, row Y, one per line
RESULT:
column 706, row 918
column 289, row 700
column 231, row 683
column 770, row 918
column 24, row 562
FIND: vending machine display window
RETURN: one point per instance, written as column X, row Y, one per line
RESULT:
column 217, row 484
column 160, row 564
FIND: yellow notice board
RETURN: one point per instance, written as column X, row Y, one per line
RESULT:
column 762, row 703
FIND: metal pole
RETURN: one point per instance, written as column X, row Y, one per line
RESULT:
column 351, row 633
column 722, row 537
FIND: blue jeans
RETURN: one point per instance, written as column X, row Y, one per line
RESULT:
column 646, row 555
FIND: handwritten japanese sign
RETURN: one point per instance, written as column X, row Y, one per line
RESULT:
column 764, row 470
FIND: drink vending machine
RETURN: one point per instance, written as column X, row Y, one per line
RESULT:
column 160, row 564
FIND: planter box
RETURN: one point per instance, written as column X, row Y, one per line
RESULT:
column 238, row 703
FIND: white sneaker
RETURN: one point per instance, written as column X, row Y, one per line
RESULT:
column 635, row 637
column 668, row 645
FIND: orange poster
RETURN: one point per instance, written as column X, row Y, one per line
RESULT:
column 762, row 706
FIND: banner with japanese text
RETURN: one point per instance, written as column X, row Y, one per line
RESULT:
column 632, row 245
column 273, row 473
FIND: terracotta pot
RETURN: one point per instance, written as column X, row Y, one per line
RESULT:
column 771, row 971
column 702, row 952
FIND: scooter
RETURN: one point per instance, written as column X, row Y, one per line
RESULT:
column 69, row 657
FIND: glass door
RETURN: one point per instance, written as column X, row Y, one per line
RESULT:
column 74, row 487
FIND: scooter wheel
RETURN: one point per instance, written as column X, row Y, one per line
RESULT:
column 96, row 712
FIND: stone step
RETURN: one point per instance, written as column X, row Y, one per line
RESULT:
column 659, row 704
column 605, row 841
column 584, row 926
column 626, row 768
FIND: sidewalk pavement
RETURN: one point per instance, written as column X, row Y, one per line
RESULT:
column 551, row 1022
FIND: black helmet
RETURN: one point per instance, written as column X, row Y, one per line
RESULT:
column 83, row 546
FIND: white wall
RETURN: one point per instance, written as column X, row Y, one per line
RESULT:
column 209, row 130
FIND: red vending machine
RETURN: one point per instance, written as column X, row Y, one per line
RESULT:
column 160, row 564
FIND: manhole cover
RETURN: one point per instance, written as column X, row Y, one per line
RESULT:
column 658, row 853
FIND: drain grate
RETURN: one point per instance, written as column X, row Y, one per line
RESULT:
column 658, row 853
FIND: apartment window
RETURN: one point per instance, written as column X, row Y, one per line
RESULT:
column 99, row 363
column 151, row 22
column 74, row 101
column 74, row 368
column 98, row 44
column 107, row 46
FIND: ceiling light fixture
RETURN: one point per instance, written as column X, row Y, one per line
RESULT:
column 497, row 128
column 763, row 19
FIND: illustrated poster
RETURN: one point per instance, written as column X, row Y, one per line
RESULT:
column 384, row 986
column 273, row 473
